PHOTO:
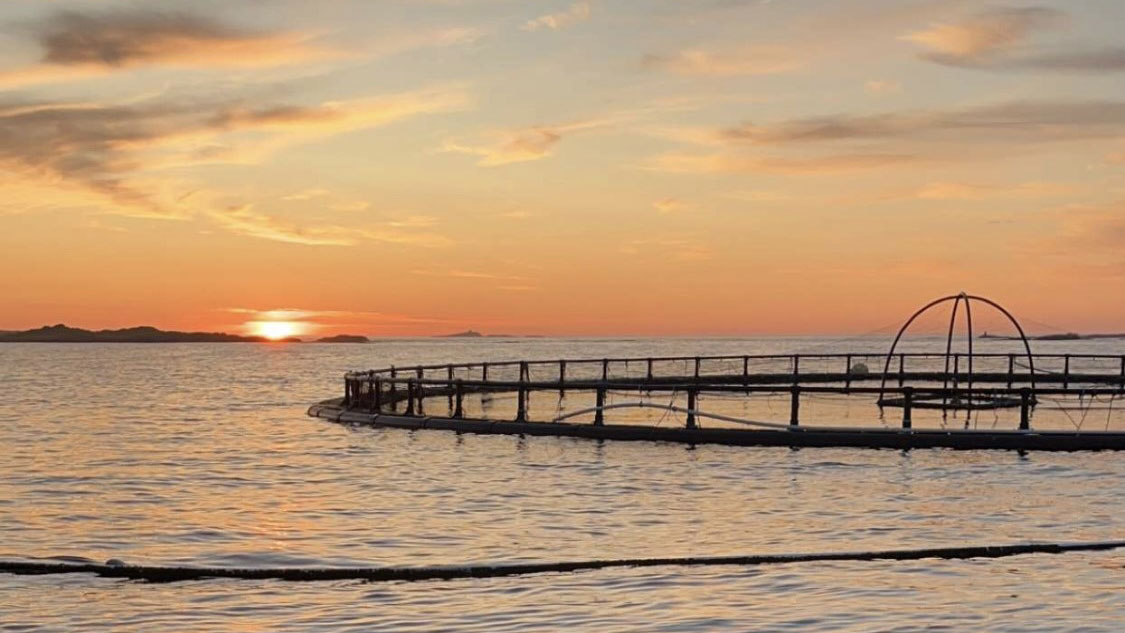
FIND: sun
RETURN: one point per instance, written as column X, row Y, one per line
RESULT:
column 276, row 330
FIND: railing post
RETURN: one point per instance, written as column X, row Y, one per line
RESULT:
column 605, row 369
column 697, row 367
column 692, row 397
column 907, row 403
column 562, row 377
column 458, row 398
column 956, row 366
column 394, row 386
column 1025, row 409
column 484, row 372
column 1066, row 371
column 599, row 402
column 796, row 366
column 525, row 373
column 1011, row 368
column 901, row 369
column 521, row 396
column 409, row 397
column 377, row 385
column 848, row 372
column 420, row 392
column 745, row 369
column 420, row 372
column 347, row 391
column 1123, row 374
column 649, row 373
column 449, row 379
column 795, row 405
column 521, row 403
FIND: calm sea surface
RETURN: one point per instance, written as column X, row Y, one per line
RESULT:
column 203, row 455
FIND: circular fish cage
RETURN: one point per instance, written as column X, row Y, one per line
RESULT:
column 759, row 399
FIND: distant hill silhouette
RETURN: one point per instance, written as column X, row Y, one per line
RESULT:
column 344, row 338
column 145, row 334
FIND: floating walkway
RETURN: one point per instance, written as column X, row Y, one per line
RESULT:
column 712, row 397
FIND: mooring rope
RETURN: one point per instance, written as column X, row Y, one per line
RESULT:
column 156, row 573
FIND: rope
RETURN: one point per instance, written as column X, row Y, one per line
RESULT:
column 156, row 573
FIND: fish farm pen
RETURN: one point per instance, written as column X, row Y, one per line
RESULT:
column 954, row 399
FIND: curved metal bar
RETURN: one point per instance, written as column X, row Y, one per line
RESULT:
column 901, row 331
column 1023, row 337
column 969, row 382
column 949, row 342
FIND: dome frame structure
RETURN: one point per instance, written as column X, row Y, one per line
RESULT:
column 957, row 402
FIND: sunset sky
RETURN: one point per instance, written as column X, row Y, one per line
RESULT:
column 411, row 167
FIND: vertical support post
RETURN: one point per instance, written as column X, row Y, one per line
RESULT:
column 599, row 402
column 394, row 386
column 410, row 397
column 1025, row 409
column 521, row 403
column 956, row 366
column 449, row 385
column 347, row 391
column 848, row 372
column 377, row 385
column 697, row 367
column 1011, row 368
column 796, row 366
column 795, row 405
column 525, row 374
column 1066, row 371
column 421, row 373
column 458, row 399
column 901, row 369
column 649, row 373
column 484, row 372
column 562, row 377
column 420, row 392
column 605, row 369
column 907, row 404
column 692, row 397
column 745, row 369
column 1123, row 374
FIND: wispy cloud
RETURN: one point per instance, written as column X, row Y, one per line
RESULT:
column 105, row 149
column 522, row 145
column 1002, row 39
column 718, row 163
column 578, row 12
column 76, row 45
column 668, row 206
column 1031, row 121
column 756, row 60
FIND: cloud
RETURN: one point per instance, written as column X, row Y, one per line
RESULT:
column 78, row 45
column 983, row 35
column 1030, row 121
column 1001, row 39
column 578, row 12
column 245, row 220
column 104, row 149
column 719, row 163
column 757, row 60
column 522, row 145
column 669, row 206
column 877, row 86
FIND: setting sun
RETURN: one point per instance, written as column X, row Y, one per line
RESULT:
column 276, row 330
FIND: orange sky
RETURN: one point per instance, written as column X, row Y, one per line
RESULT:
column 590, row 168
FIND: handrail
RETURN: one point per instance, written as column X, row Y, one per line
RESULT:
column 724, row 357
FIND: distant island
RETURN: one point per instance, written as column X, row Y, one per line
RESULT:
column 344, row 338
column 62, row 334
column 475, row 334
column 1067, row 336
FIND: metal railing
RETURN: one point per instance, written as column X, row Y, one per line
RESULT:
column 389, row 389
